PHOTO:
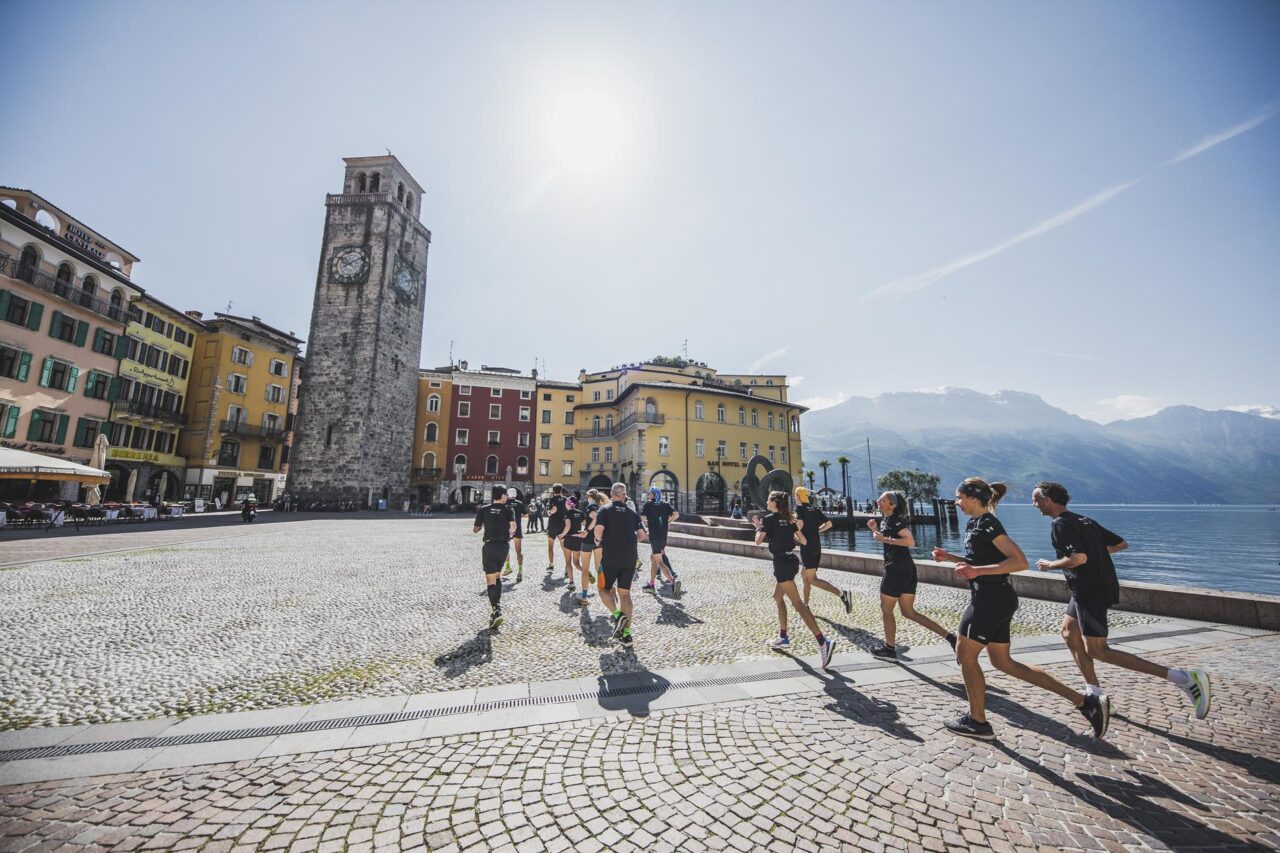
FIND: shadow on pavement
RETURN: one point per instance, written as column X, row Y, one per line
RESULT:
column 856, row 706
column 477, row 651
column 1255, row 765
column 597, row 631
column 632, row 692
column 675, row 615
column 854, row 636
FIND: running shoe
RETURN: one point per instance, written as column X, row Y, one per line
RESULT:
column 520, row 575
column 571, row 586
column 884, row 650
column 827, row 650
column 649, row 587
column 591, row 578
column 967, row 726
column 1097, row 710
column 620, row 628
column 780, row 642
column 675, row 584
column 639, row 564
column 846, row 598
column 951, row 638
column 495, row 619
column 1197, row 690
column 551, row 568
column 506, row 570
column 625, row 639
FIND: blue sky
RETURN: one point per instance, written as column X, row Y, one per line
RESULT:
column 871, row 196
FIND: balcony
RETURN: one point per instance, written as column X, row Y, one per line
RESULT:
column 603, row 431
column 63, row 290
column 356, row 198
column 421, row 474
column 242, row 428
column 148, row 410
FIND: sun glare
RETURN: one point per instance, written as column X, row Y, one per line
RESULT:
column 587, row 132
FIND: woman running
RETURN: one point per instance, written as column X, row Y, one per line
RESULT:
column 898, row 588
column 780, row 529
column 568, row 537
column 586, row 544
column 990, row 557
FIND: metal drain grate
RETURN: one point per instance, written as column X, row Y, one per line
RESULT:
column 653, row 687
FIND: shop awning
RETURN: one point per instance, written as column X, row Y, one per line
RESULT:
column 21, row 465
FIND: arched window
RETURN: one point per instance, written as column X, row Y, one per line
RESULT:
column 650, row 409
column 400, row 191
column 433, row 403
column 771, row 420
column 47, row 219
column 433, row 433
column 742, row 416
column 361, row 183
column 491, row 464
column 522, row 464
column 460, row 459
column 697, row 410
column 63, row 285
column 429, row 459
column 755, row 417
column 795, row 424
column 408, row 201
column 664, row 446
column 117, row 304
column 88, row 290
column 608, row 424
column 28, row 263
column 375, row 182
column 595, row 425
column 720, row 413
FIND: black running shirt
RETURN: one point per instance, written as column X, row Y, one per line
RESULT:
column 979, row 546
column 657, row 515
column 591, row 517
column 619, row 523
column 894, row 555
column 1096, row 580
column 573, row 518
column 496, row 520
column 517, row 508
column 781, row 535
column 556, row 503
column 813, row 518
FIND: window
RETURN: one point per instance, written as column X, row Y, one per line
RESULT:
column 522, row 439
column 428, row 460
column 595, row 396
column 495, row 392
column 275, row 394
column 525, row 413
column 720, row 413
column 771, row 457
column 595, row 424
column 742, row 416
column 433, row 404
column 795, row 424
column 609, row 394
column 568, row 442
column 434, row 385
column 48, row 427
column 240, row 355
column 664, row 446
column 279, row 368
column 460, row 461
column 546, row 416
column 567, row 470
column 742, row 450
column 595, row 454
column 495, row 438
column 270, row 423
column 544, row 441
column 236, row 414
column 464, row 409
column 721, row 450
column 64, row 328
column 58, row 374
column 568, row 398
column 433, row 433
column 755, row 450
column 522, row 464
column 568, row 417
column 178, row 366
column 28, row 263
column 755, row 418
column 783, row 451
column 770, row 420
column 546, row 398
column 464, row 390
column 9, row 420
column 461, row 436
column 104, row 342
column 267, row 457
column 699, row 450
column 229, row 454
column 87, row 430
column 697, row 410
column 237, row 383
column 495, row 411
column 19, row 311
column 608, row 424
column 14, row 363
column 544, row 467
column 165, row 442
column 96, row 385
column 491, row 464
column 526, row 395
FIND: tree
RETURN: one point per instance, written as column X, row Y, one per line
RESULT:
column 915, row 485
column 844, row 475
column 824, row 465
column 808, row 475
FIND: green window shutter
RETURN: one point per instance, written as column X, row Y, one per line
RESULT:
column 33, row 431
column 45, row 372
column 34, row 314
column 71, row 379
column 53, row 323
column 97, row 339
column 78, row 441
column 113, row 391
column 61, row 435
column 82, row 332
column 122, row 347
column 4, row 303
column 10, row 425
column 24, row 367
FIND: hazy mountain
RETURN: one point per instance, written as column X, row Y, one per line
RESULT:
column 1179, row 455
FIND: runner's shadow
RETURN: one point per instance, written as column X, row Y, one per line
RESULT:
column 1132, row 804
column 675, row 614
column 1256, row 765
column 597, row 631
column 856, row 706
column 854, row 636
column 477, row 651
column 632, row 692
column 550, row 582
column 569, row 602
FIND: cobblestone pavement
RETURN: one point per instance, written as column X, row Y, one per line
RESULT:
column 851, row 768
column 317, row 610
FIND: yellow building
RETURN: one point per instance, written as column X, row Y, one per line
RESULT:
column 148, row 401
column 703, row 438
column 557, row 452
column 237, row 409
column 431, row 435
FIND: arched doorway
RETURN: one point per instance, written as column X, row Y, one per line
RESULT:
column 600, row 481
column 172, row 485
column 710, row 492
column 666, row 483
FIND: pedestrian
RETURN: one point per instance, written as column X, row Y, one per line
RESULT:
column 618, row 531
column 1084, row 548
column 586, row 545
column 658, row 515
column 573, row 519
column 812, row 522
column 555, row 524
column 780, row 529
column 499, row 525
column 898, row 586
column 518, row 510
column 990, row 557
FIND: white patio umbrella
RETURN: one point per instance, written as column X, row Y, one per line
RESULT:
column 98, row 459
column 164, row 483
column 133, row 482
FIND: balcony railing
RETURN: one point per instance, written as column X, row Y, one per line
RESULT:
column 604, row 431
column 420, row 474
column 356, row 198
column 62, row 289
column 148, row 410
column 242, row 428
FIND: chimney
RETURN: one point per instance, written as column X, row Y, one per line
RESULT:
column 194, row 315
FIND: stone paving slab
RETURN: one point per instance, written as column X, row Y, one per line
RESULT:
column 852, row 766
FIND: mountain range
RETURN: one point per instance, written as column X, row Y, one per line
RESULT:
column 1181, row 454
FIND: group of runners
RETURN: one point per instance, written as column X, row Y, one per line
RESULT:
column 600, row 539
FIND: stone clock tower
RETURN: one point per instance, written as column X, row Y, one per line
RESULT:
column 354, row 437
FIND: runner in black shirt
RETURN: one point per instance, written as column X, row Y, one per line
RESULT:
column 990, row 557
column 1084, row 550
column 517, row 509
column 814, row 521
column 555, row 524
column 658, row 515
column 783, row 534
column 573, row 520
column 585, row 544
column 498, row 524
column 617, row 531
column 898, row 589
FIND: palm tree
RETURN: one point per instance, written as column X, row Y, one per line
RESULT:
column 824, row 465
column 843, row 461
column 809, row 476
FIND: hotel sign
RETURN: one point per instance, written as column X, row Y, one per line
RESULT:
column 83, row 239
column 134, row 370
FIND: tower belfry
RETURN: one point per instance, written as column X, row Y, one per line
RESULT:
column 354, row 436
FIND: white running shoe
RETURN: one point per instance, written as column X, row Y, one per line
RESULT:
column 1197, row 690
column 780, row 642
column 828, row 649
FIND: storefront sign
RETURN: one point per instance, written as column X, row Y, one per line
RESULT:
column 134, row 370
column 34, row 448
column 128, row 454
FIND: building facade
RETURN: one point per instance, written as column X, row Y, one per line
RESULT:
column 64, row 300
column 148, row 409
column 490, row 437
column 431, row 436
column 353, row 439
column 556, row 455
column 238, row 402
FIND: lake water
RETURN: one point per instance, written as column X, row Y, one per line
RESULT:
column 1219, row 547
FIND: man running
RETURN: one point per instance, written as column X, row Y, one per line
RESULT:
column 658, row 515
column 1084, row 548
column 517, row 509
column 780, row 530
column 498, row 524
column 618, row 530
column 555, row 524
column 812, row 521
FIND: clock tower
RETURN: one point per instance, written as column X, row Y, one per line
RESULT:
column 354, row 437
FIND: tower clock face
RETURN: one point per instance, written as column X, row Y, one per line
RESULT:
column 405, row 281
column 349, row 265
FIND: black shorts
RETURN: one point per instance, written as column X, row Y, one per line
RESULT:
column 657, row 546
column 811, row 559
column 519, row 534
column 1092, row 617
column 619, row 576
column 494, row 554
column 989, row 614
column 899, row 580
column 554, row 529
column 785, row 567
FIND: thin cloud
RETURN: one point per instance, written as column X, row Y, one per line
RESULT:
column 766, row 358
column 813, row 404
column 919, row 281
column 795, row 380
column 1124, row 407
column 1075, row 355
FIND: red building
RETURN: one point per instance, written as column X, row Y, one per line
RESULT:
column 491, row 428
